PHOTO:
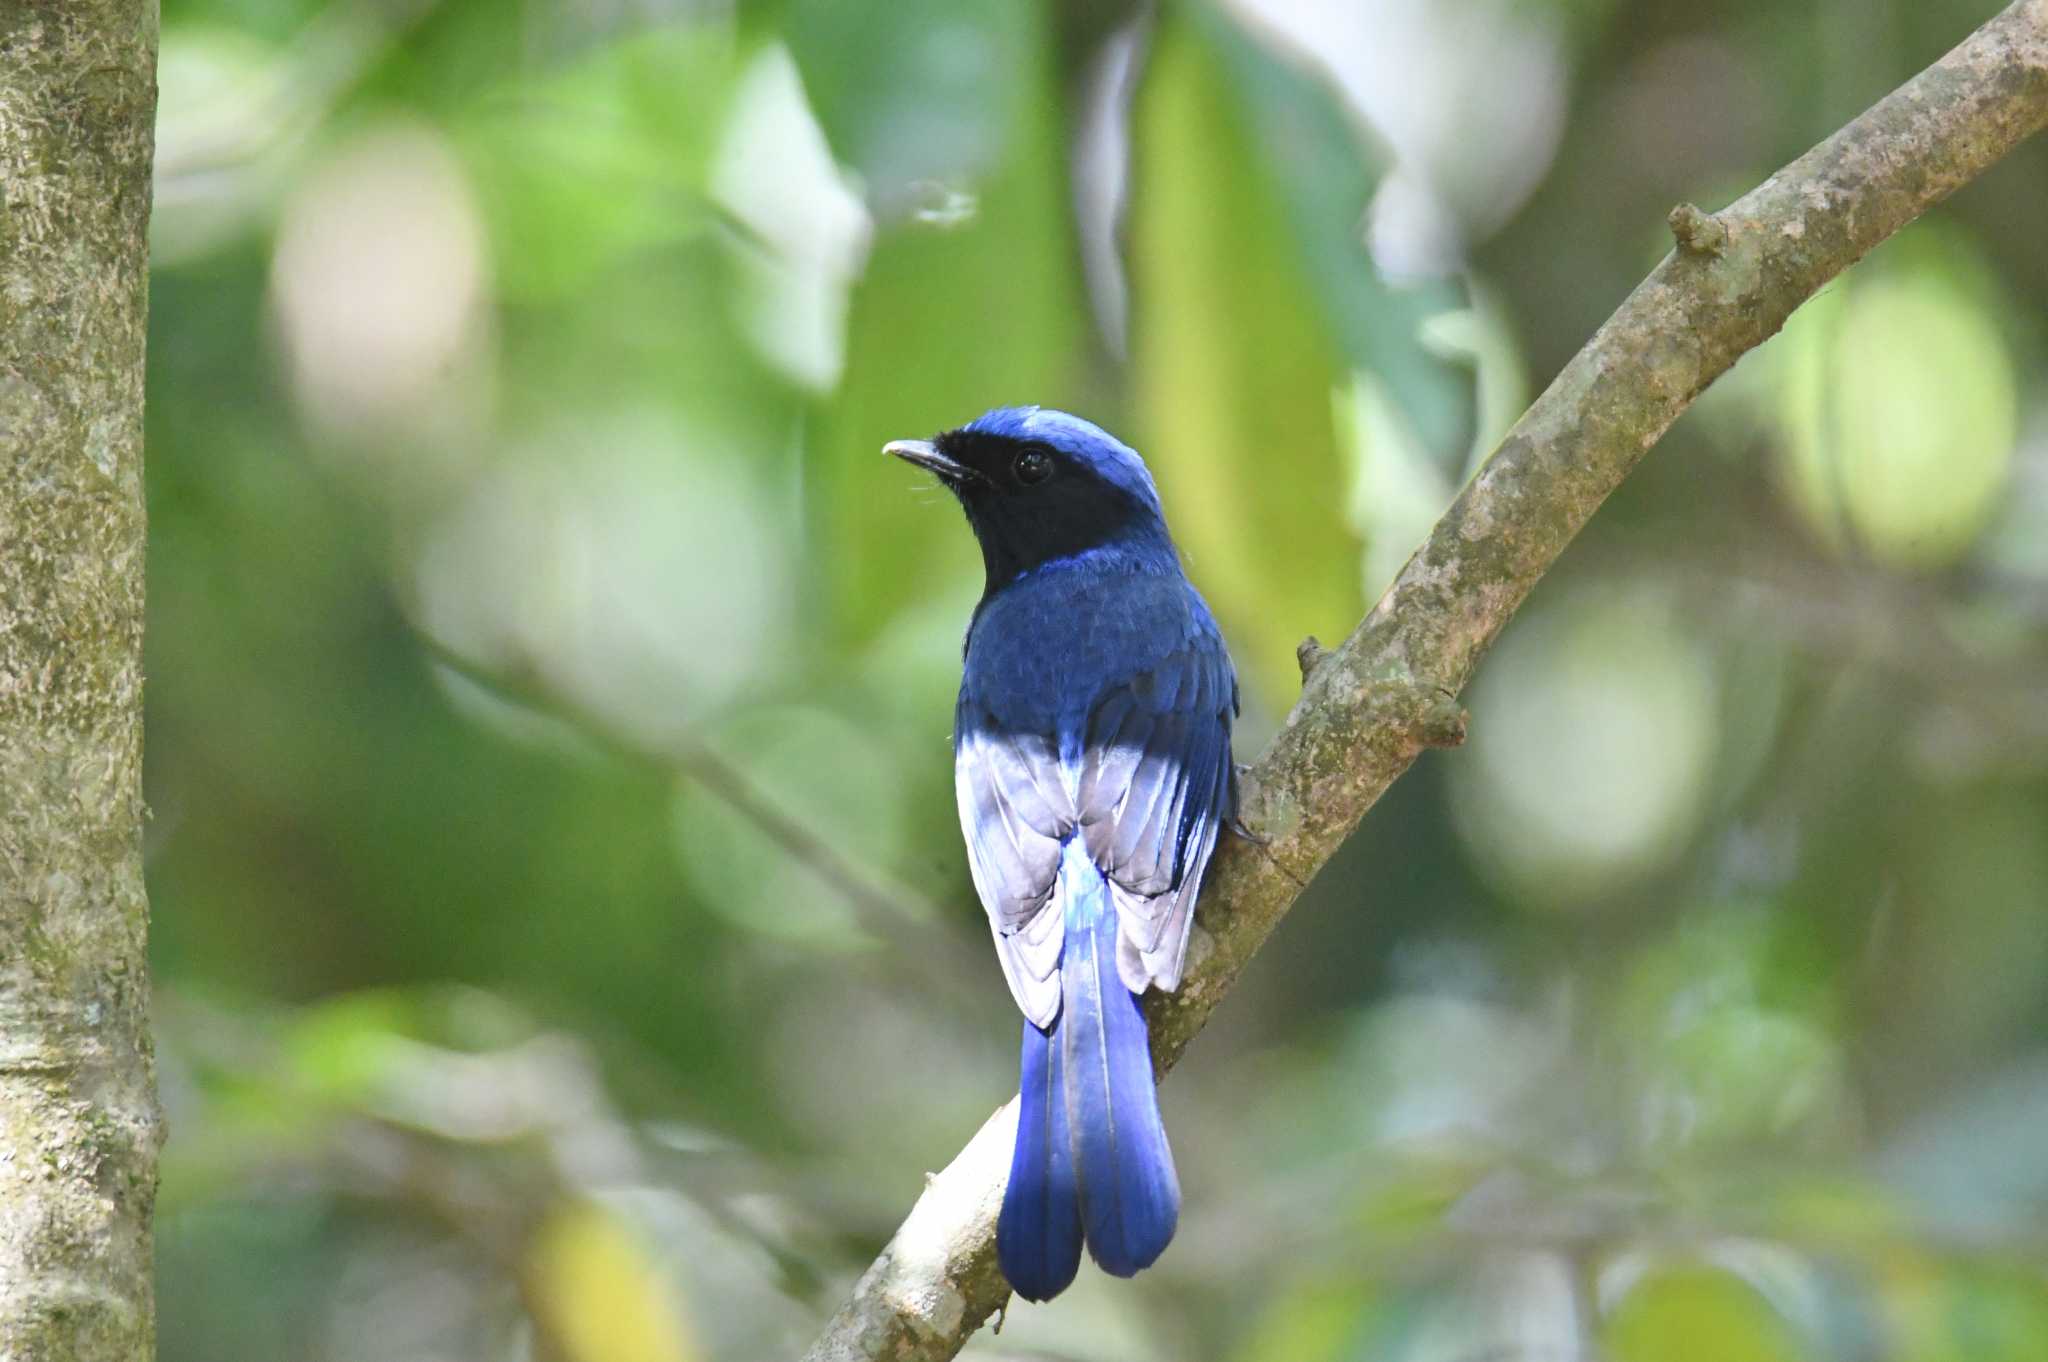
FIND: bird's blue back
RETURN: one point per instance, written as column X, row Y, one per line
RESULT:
column 1043, row 651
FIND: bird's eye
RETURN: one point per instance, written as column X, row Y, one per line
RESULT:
column 1032, row 467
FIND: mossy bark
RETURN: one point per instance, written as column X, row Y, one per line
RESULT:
column 79, row 1126
column 1368, row 708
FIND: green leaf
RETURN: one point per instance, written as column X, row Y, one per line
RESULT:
column 923, row 90
column 972, row 303
column 1694, row 1313
column 1235, row 370
column 1400, row 485
column 603, row 159
column 1325, row 170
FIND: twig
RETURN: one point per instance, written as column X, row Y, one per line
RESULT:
column 879, row 903
column 1895, row 623
column 1367, row 709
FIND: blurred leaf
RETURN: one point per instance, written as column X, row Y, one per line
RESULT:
column 1400, row 485
column 831, row 778
column 608, row 157
column 1313, row 1322
column 601, row 1295
column 355, row 1049
column 1481, row 337
column 1596, row 725
column 274, row 19
column 1584, row 20
column 1519, row 1305
column 1423, row 1184
column 1716, row 1058
column 1398, row 488
column 1696, row 1313
column 657, row 337
column 579, row 565
column 1235, row 370
column 1745, row 1075
column 959, row 311
column 1968, row 953
column 453, row 50
column 1438, row 1068
column 807, row 226
column 241, row 1278
column 212, row 179
column 341, row 1051
column 921, row 91
column 1899, row 408
column 1966, row 1312
column 1324, row 171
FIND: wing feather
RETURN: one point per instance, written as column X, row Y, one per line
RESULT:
column 1015, row 813
column 1151, row 786
column 1152, row 795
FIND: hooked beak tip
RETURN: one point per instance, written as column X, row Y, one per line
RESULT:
column 913, row 450
column 927, row 455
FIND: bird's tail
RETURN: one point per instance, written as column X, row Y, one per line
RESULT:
column 1091, row 1158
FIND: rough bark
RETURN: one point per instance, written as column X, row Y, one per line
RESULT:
column 79, row 1127
column 1369, row 708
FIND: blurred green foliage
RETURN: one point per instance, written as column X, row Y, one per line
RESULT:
column 563, row 944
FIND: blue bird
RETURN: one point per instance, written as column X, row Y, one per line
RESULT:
column 1092, row 767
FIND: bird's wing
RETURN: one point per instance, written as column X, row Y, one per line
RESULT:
column 1155, row 786
column 1015, row 810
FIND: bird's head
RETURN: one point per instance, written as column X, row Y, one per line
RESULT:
column 1039, row 486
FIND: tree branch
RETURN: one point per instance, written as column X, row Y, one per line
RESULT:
column 1368, row 708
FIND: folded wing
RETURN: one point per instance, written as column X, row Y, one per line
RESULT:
column 1155, row 787
column 1015, row 811
column 1154, row 783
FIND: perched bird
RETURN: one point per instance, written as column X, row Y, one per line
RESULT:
column 1092, row 767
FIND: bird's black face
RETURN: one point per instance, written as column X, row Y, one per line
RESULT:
column 1029, row 501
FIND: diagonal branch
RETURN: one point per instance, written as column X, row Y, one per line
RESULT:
column 1370, row 707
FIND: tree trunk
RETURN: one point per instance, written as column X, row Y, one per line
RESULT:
column 78, row 1119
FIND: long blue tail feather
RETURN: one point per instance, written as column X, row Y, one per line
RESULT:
column 1130, row 1196
column 1038, row 1236
column 1091, row 1159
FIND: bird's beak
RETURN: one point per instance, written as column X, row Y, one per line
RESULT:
column 925, row 454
